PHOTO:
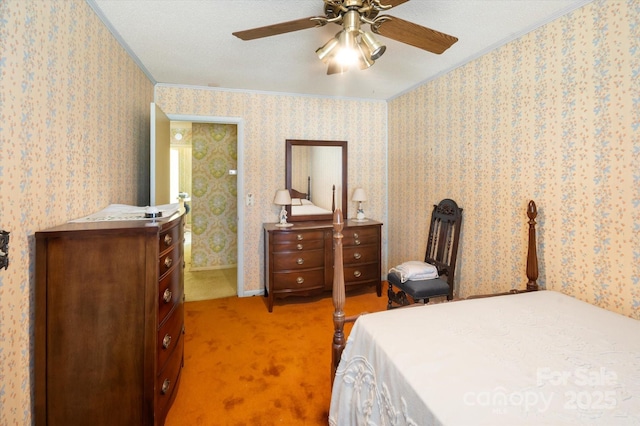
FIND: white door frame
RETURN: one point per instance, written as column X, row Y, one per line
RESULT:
column 239, row 122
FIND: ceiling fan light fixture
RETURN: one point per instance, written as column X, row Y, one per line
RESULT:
column 336, row 68
column 375, row 47
column 364, row 61
column 347, row 57
column 352, row 45
column 325, row 52
column 348, row 53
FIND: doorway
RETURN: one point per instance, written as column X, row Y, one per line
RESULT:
column 207, row 156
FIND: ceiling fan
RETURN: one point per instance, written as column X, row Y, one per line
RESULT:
column 352, row 45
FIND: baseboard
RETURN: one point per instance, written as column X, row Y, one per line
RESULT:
column 213, row 268
column 249, row 293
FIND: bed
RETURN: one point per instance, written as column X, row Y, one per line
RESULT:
column 531, row 357
column 301, row 204
column 304, row 207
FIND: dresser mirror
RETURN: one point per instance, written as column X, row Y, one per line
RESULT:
column 316, row 177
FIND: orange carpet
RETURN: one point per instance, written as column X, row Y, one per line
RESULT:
column 246, row 366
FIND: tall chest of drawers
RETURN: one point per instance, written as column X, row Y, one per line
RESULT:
column 299, row 259
column 109, row 322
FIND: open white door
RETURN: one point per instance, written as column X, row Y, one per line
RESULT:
column 160, row 164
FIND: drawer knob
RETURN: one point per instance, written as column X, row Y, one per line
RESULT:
column 165, row 386
column 299, row 246
column 168, row 240
column 357, row 274
column 166, row 296
column 166, row 341
column 357, row 242
column 355, row 235
column 299, row 237
column 299, row 280
column 357, row 256
column 167, row 262
column 300, row 261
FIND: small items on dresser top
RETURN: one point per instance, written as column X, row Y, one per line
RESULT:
column 119, row 212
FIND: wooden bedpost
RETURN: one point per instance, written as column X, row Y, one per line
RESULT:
column 338, row 294
column 333, row 199
column 532, row 255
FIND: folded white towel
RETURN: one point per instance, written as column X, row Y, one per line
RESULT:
column 415, row 270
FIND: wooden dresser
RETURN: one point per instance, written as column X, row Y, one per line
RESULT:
column 299, row 259
column 109, row 322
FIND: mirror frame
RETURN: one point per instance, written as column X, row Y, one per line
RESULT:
column 290, row 143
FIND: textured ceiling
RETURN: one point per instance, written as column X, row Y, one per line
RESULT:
column 189, row 42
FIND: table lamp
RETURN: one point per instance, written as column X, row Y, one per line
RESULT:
column 359, row 196
column 282, row 198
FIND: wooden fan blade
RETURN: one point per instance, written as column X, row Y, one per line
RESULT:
column 415, row 35
column 275, row 29
column 371, row 15
column 392, row 3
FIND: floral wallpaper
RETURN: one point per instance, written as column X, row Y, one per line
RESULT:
column 554, row 117
column 270, row 119
column 74, row 136
column 214, row 227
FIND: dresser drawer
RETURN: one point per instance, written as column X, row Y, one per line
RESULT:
column 298, row 260
column 292, row 246
column 168, row 260
column 360, row 254
column 296, row 236
column 167, row 380
column 357, row 273
column 170, row 334
column 170, row 292
column 169, row 238
column 307, row 279
column 360, row 236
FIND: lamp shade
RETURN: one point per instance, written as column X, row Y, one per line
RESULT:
column 365, row 56
column 347, row 53
column 282, row 198
column 359, row 195
column 328, row 49
column 375, row 47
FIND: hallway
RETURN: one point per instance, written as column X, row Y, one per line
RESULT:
column 210, row 284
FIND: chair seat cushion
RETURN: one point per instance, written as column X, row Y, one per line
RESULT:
column 420, row 289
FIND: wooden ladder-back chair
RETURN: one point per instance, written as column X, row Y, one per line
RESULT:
column 442, row 252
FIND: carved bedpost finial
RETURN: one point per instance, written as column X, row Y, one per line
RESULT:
column 532, row 255
column 338, row 293
column 333, row 199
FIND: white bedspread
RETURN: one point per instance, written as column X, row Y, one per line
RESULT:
column 308, row 208
column 540, row 358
